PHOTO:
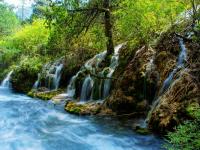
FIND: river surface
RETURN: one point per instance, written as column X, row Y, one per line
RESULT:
column 32, row 124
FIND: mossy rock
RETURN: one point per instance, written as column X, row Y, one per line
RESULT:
column 192, row 110
column 74, row 108
column 48, row 95
column 141, row 130
column 82, row 109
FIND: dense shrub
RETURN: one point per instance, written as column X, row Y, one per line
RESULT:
column 187, row 135
column 8, row 20
column 25, row 74
column 29, row 38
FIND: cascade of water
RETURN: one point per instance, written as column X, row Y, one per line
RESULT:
column 57, row 76
column 112, row 67
column 180, row 63
column 89, row 65
column 52, row 74
column 89, row 86
column 86, row 88
column 107, row 84
column 6, row 82
column 37, row 83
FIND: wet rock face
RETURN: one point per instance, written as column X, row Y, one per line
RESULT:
column 184, row 90
column 135, row 89
column 171, row 109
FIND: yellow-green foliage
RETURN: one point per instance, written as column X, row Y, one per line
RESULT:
column 25, row 72
column 30, row 64
column 94, row 38
column 8, row 20
column 29, row 38
column 146, row 19
column 27, row 41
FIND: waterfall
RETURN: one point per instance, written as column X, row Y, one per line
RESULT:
column 90, row 65
column 107, row 84
column 57, row 76
column 93, row 88
column 86, row 89
column 52, row 75
column 180, row 64
column 6, row 82
column 37, row 83
column 71, row 88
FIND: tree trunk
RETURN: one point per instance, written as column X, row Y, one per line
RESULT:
column 194, row 12
column 108, row 28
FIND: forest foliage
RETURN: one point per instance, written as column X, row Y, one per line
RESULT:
column 59, row 28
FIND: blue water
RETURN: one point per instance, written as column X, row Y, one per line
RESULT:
column 32, row 124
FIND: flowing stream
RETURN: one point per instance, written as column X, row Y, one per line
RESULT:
column 6, row 82
column 32, row 124
column 168, row 81
column 180, row 64
column 92, row 87
column 52, row 73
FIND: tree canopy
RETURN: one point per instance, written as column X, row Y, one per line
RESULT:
column 8, row 20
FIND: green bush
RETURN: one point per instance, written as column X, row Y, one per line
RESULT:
column 145, row 20
column 25, row 74
column 187, row 135
column 8, row 20
column 27, row 42
column 29, row 39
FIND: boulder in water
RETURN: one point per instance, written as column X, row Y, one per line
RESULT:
column 83, row 108
column 44, row 95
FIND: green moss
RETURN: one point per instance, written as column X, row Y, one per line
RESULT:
column 31, row 94
column 89, row 108
column 44, row 95
column 143, row 131
column 74, row 108
column 193, row 110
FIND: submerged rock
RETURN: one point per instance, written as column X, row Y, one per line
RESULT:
column 83, row 108
column 59, row 98
column 141, row 130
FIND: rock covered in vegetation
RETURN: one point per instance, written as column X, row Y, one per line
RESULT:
column 171, row 109
column 44, row 94
column 24, row 75
column 89, row 108
column 129, row 94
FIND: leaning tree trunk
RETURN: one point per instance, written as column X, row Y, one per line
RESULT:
column 108, row 27
column 194, row 12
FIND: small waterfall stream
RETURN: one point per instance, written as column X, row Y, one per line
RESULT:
column 37, row 83
column 93, row 88
column 57, row 76
column 6, row 82
column 86, row 88
column 52, row 73
column 180, row 64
